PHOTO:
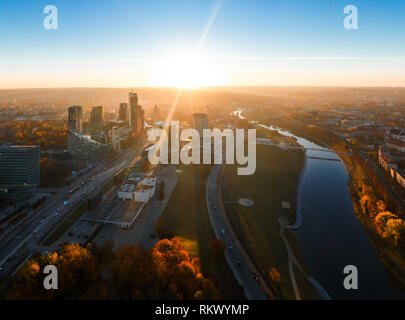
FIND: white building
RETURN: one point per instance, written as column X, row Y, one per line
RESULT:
column 138, row 189
column 145, row 189
column 127, row 191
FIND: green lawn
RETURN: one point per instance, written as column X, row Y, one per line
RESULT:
column 257, row 227
column 186, row 218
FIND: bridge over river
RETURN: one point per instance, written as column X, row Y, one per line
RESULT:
column 268, row 142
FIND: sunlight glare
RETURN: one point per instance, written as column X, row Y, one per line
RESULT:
column 187, row 69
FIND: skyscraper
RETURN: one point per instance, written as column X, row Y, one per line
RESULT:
column 142, row 128
column 135, row 115
column 156, row 113
column 200, row 122
column 75, row 115
column 133, row 104
column 19, row 171
column 96, row 117
column 114, row 137
column 123, row 112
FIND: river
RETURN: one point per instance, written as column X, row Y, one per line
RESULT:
column 330, row 236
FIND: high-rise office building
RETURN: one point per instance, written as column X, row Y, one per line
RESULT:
column 135, row 115
column 19, row 172
column 75, row 116
column 96, row 117
column 200, row 122
column 132, row 104
column 156, row 113
column 123, row 112
column 114, row 137
column 112, row 116
column 142, row 128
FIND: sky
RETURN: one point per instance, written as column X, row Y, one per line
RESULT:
column 125, row 43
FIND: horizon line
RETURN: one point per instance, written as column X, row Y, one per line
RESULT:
column 202, row 87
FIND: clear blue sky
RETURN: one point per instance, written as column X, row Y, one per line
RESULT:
column 96, row 40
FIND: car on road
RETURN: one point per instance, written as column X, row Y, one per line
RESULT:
column 238, row 263
column 55, row 214
column 254, row 276
column 42, row 221
column 65, row 203
column 20, row 237
column 230, row 248
column 223, row 231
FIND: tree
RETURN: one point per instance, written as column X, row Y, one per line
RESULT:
column 77, row 270
column 165, row 272
column 390, row 227
column 274, row 276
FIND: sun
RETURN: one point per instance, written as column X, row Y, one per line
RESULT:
column 184, row 68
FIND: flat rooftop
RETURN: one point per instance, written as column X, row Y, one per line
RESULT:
column 127, row 211
column 128, row 188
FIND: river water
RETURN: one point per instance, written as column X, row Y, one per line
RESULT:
column 330, row 236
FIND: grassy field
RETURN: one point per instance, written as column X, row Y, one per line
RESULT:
column 276, row 179
column 186, row 218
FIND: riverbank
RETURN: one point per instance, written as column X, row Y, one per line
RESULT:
column 257, row 227
column 390, row 257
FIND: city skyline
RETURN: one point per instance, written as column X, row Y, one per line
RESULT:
column 191, row 44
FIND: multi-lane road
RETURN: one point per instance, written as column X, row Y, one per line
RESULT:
column 22, row 242
column 243, row 268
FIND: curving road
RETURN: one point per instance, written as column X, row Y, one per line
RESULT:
column 239, row 261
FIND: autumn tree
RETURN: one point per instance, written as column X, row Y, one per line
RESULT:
column 164, row 272
column 274, row 276
column 77, row 269
column 390, row 227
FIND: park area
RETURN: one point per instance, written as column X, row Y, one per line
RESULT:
column 257, row 227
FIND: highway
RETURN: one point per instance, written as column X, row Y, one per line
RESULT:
column 240, row 263
column 23, row 240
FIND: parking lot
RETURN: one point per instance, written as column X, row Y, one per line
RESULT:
column 80, row 232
